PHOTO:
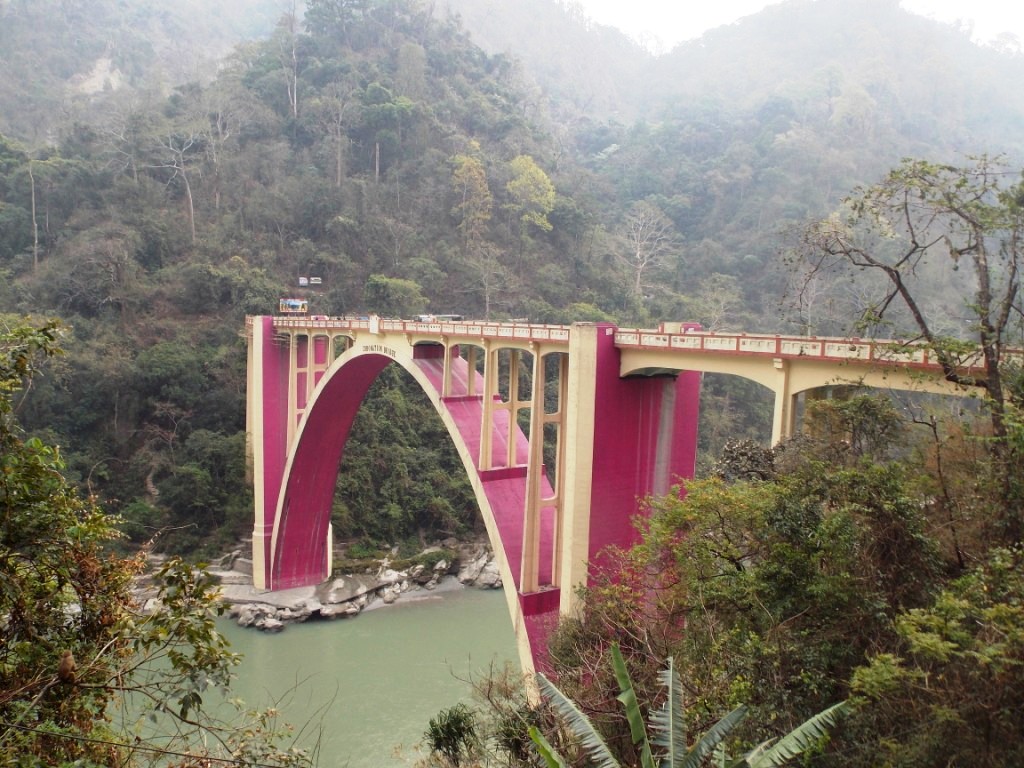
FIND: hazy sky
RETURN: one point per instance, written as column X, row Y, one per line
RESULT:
column 671, row 22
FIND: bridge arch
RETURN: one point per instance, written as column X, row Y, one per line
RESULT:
column 616, row 440
column 300, row 546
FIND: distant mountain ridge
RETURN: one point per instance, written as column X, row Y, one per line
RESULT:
column 917, row 75
column 56, row 57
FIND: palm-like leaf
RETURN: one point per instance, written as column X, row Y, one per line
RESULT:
column 669, row 725
column 634, row 716
column 669, row 722
column 796, row 741
column 552, row 759
column 715, row 736
column 579, row 724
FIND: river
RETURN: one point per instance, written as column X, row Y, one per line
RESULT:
column 376, row 680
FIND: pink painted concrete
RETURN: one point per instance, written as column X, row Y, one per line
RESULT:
column 627, row 419
column 275, row 426
column 630, row 414
column 300, row 557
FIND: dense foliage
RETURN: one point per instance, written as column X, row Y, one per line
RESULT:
column 819, row 571
column 86, row 678
column 400, row 462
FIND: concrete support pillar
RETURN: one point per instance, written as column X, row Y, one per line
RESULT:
column 446, row 372
column 627, row 438
column 293, row 395
column 471, row 371
column 490, row 394
column 254, row 450
column 558, row 487
column 268, row 417
column 513, row 405
column 784, row 416
column 529, row 581
column 581, row 389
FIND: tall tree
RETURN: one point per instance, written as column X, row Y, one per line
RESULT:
column 333, row 19
column 531, row 195
column 651, row 238
column 473, row 198
column 927, row 231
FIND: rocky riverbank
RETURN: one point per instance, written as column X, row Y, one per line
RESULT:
column 349, row 595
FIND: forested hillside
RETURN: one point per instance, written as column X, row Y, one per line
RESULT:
column 373, row 144
column 62, row 61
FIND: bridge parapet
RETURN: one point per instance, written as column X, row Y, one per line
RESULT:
column 883, row 352
column 467, row 329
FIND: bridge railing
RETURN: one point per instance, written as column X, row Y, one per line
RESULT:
column 825, row 348
column 464, row 328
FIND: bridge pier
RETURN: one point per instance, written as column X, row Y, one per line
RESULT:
column 630, row 438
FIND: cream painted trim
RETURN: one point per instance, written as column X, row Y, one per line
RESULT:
column 256, row 435
column 581, row 392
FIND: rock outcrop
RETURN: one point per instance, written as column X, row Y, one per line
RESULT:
column 348, row 595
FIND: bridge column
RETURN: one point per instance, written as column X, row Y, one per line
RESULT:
column 626, row 439
column 486, row 460
column 536, row 502
column 471, row 371
column 268, row 416
column 558, row 418
column 512, row 406
column 293, row 389
column 784, row 415
column 446, row 371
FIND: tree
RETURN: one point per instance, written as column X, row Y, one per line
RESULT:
column 394, row 297
column 914, row 232
column 650, row 238
column 669, row 726
column 180, row 147
column 952, row 694
column 331, row 113
column 80, row 665
column 287, row 38
column 472, row 209
column 531, row 195
column 452, row 734
column 473, row 198
column 334, row 19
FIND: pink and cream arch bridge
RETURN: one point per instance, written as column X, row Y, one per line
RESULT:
column 619, row 406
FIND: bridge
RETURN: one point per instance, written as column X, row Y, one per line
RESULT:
column 615, row 408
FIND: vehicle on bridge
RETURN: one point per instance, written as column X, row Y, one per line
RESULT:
column 439, row 318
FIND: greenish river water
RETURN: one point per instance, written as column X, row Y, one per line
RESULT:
column 376, row 680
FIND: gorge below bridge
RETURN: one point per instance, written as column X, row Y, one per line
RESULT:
column 618, row 407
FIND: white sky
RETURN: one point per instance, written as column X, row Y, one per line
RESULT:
column 660, row 24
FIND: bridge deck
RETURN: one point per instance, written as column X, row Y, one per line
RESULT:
column 879, row 352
